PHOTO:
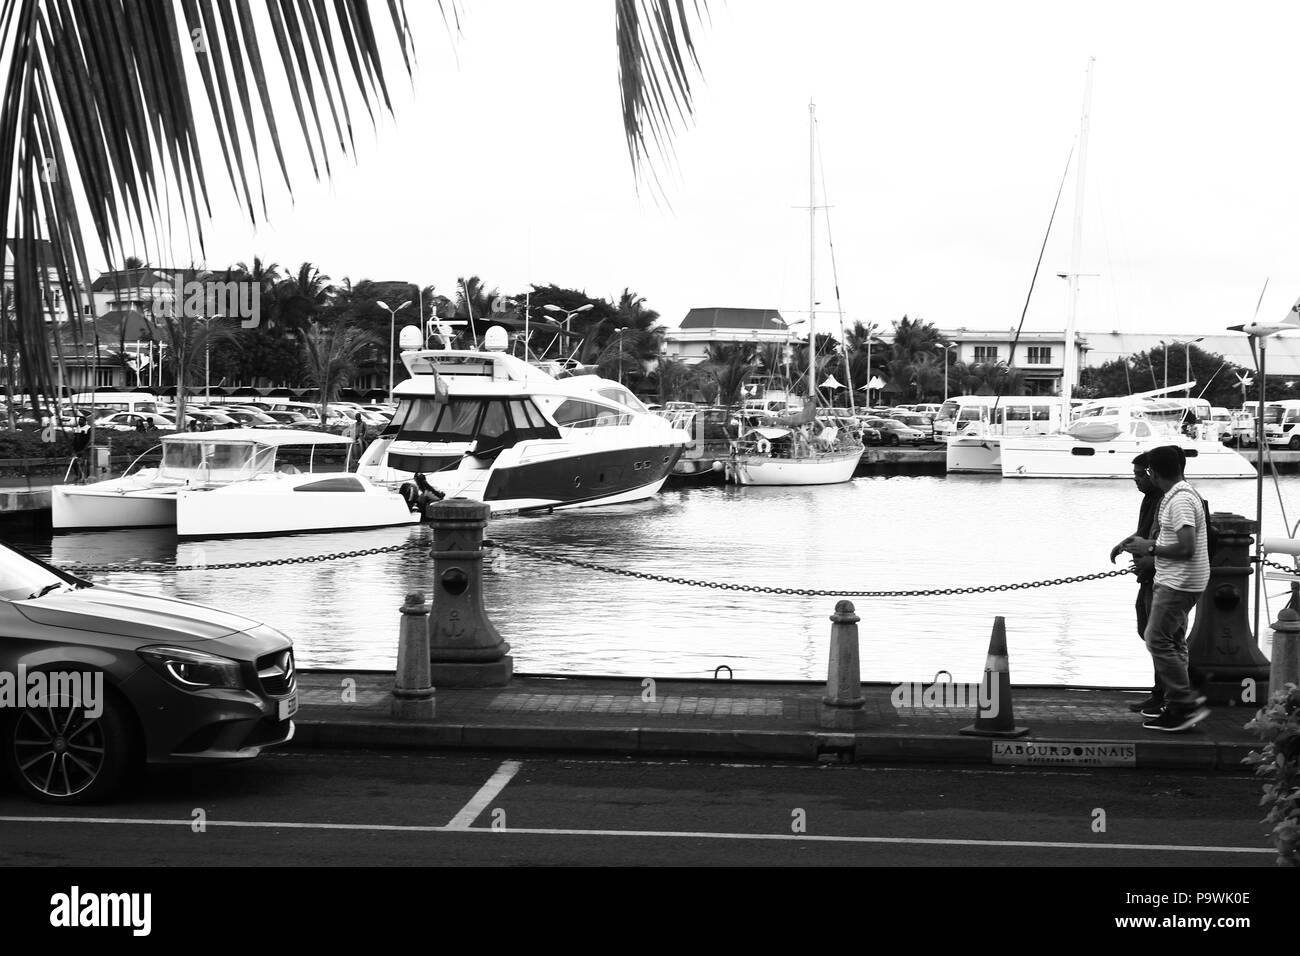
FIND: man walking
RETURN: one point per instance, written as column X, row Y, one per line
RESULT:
column 1144, row 567
column 1182, row 572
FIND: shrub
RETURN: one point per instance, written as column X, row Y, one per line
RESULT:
column 1278, row 725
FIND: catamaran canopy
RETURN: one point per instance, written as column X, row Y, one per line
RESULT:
column 273, row 437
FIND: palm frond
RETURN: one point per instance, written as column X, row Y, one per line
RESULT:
column 97, row 114
column 654, row 46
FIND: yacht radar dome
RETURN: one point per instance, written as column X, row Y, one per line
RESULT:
column 496, row 339
column 410, row 338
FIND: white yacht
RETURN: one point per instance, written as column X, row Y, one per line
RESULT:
column 1108, row 434
column 973, row 426
column 235, row 481
column 491, row 427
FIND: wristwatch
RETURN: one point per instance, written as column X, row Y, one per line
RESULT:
column 1151, row 549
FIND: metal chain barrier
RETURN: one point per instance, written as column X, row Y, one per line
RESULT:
column 1289, row 569
column 800, row 592
column 161, row 568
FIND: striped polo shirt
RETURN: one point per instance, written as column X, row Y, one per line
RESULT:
column 1181, row 507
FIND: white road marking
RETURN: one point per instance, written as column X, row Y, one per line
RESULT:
column 654, row 834
column 486, row 794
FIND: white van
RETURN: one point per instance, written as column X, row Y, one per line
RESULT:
column 1282, row 424
column 115, row 401
column 1000, row 415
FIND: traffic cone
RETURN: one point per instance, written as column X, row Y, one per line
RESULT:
column 993, row 717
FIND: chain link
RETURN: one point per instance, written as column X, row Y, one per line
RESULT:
column 801, row 592
column 1289, row 569
column 163, row 568
column 592, row 566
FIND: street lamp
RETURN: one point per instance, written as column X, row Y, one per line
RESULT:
column 392, row 338
column 1187, row 357
column 946, row 347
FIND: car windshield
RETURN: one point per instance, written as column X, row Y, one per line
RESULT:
column 22, row 578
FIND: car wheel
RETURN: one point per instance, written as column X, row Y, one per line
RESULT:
column 1294, row 443
column 60, row 754
column 895, row 440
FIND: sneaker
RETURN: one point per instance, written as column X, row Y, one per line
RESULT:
column 1148, row 708
column 1174, row 719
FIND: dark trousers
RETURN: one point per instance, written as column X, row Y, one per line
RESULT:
column 1143, row 608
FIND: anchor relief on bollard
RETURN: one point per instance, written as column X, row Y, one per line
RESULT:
column 465, row 650
column 413, row 691
column 842, row 706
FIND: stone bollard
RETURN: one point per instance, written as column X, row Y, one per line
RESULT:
column 1285, row 666
column 842, row 705
column 465, row 650
column 413, row 692
column 1221, row 648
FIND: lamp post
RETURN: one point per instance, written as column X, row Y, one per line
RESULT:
column 568, row 315
column 1187, row 357
column 945, row 348
column 392, row 337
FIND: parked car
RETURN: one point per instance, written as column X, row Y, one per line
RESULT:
column 247, row 418
column 136, row 422
column 922, row 424
column 894, row 432
column 292, row 419
column 132, row 679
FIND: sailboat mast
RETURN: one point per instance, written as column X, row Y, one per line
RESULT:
column 1068, row 372
column 812, row 257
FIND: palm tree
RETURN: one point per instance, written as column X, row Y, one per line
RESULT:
column 108, row 90
column 302, row 296
column 730, row 366
column 330, row 356
column 674, row 380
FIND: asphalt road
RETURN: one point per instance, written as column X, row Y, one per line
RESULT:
column 417, row 809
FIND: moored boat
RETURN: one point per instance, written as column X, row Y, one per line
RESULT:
column 491, row 427
column 235, row 481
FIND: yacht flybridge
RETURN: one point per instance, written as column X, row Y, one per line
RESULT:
column 491, row 427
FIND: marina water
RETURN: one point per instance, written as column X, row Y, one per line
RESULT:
column 874, row 533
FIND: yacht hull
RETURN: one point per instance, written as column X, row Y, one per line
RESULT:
column 978, row 456
column 1060, row 456
column 830, row 469
column 75, row 507
column 273, row 507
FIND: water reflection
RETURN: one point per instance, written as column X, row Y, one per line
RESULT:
column 873, row 534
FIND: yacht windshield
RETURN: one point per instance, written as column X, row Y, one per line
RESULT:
column 496, row 422
column 215, row 460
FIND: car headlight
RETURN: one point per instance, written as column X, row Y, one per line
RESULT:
column 193, row 670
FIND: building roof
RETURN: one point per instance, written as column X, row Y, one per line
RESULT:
column 734, row 319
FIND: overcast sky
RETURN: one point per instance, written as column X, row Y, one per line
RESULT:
column 945, row 129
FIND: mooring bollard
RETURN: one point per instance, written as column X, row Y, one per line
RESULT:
column 1221, row 648
column 413, row 692
column 842, row 705
column 465, row 650
column 1285, row 665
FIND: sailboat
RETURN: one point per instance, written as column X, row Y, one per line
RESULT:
column 798, row 450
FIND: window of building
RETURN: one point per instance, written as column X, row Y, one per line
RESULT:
column 104, row 377
column 1040, row 355
column 986, row 353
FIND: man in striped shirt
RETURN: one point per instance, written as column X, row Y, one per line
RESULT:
column 1182, row 572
